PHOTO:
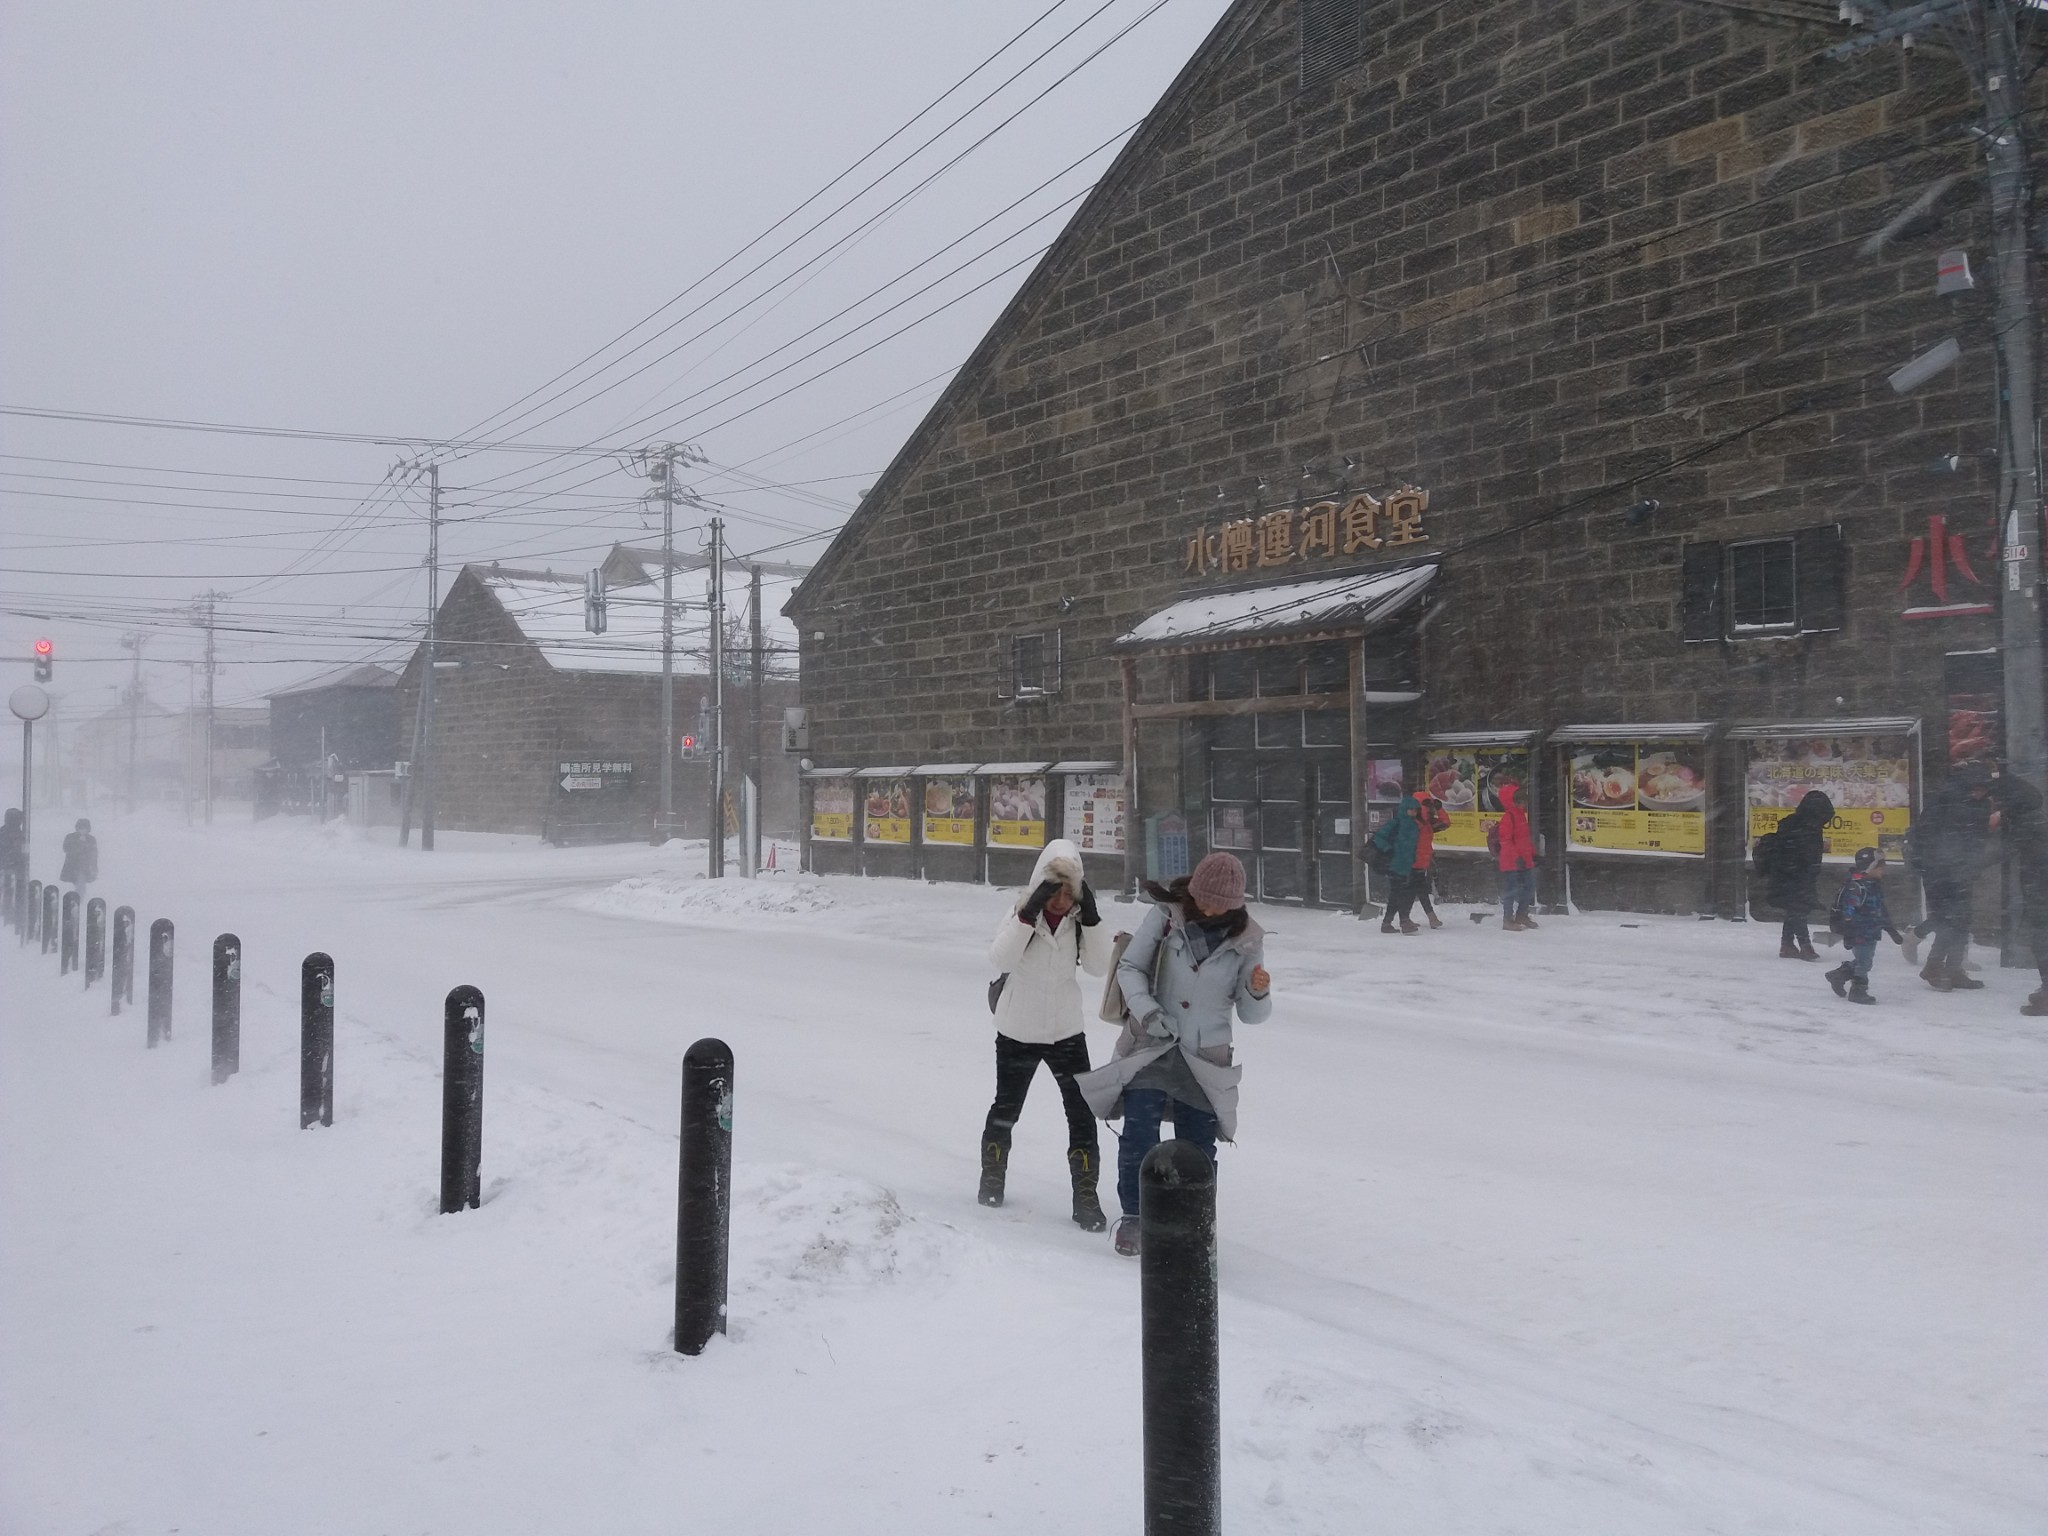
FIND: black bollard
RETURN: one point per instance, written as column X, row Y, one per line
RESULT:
column 95, row 940
column 161, row 938
column 1177, row 1285
column 227, row 1007
column 703, row 1195
column 123, row 988
column 316, row 1041
column 462, row 1100
column 32, row 915
column 10, row 898
column 50, row 899
column 67, row 957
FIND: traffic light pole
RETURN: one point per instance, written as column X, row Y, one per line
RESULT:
column 668, row 638
column 28, row 745
column 715, row 848
column 423, row 769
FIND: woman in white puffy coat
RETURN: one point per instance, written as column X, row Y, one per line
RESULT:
column 1051, row 934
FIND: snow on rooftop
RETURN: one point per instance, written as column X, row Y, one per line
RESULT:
column 549, row 612
column 1362, row 599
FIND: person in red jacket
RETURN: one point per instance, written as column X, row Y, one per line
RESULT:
column 1515, row 853
column 1431, row 818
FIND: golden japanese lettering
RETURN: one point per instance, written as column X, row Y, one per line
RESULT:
column 1319, row 530
column 1361, row 520
column 1276, row 537
column 1404, row 509
column 1238, row 542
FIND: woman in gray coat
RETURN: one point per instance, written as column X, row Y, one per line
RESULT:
column 1194, row 962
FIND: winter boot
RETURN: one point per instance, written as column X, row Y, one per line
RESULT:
column 1435, row 921
column 1859, row 991
column 1960, row 980
column 1388, row 926
column 1408, row 926
column 2036, row 1005
column 1081, row 1162
column 1510, row 925
column 1787, row 950
column 1127, row 1236
column 1839, row 978
column 1936, row 979
column 995, row 1158
column 1807, row 951
column 1527, row 921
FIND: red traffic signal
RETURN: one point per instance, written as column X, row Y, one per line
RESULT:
column 45, row 655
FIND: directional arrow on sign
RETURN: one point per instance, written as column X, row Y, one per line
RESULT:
column 573, row 781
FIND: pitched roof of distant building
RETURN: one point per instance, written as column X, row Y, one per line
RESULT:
column 356, row 675
column 549, row 611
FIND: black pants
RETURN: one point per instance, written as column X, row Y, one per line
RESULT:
column 1795, row 932
column 1400, row 900
column 1419, row 887
column 1948, row 919
column 1016, row 1064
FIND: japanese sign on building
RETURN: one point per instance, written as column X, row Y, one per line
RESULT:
column 949, row 811
column 1639, row 797
column 886, row 811
column 1016, row 811
column 1869, row 778
column 588, row 775
column 1466, row 781
column 1323, row 530
column 1095, row 812
column 832, row 810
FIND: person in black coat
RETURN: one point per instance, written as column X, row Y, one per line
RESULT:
column 2024, row 823
column 81, row 857
column 1951, row 843
column 1796, row 854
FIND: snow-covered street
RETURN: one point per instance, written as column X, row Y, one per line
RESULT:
column 1623, row 1226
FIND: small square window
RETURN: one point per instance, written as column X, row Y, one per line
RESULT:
column 1763, row 587
column 1030, row 667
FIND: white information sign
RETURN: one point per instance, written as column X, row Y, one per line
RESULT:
column 1095, row 812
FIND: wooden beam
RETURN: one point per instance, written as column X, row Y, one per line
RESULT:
column 1195, row 709
column 1134, row 820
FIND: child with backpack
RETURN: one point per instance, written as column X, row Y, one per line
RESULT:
column 1859, row 916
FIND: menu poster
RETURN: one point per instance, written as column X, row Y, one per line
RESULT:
column 1095, row 812
column 1467, row 781
column 885, row 811
column 1016, row 811
column 1383, row 780
column 1869, row 778
column 832, row 810
column 1640, row 797
column 949, row 812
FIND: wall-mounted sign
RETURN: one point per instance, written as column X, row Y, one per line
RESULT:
column 1934, row 554
column 1869, row 778
column 949, row 812
column 1383, row 780
column 586, row 775
column 1324, row 530
column 1467, row 781
column 885, row 811
column 1095, row 812
column 1229, row 826
column 1016, row 810
column 832, row 810
column 1639, row 797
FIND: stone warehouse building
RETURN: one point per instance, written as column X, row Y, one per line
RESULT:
column 1452, row 393
column 541, row 726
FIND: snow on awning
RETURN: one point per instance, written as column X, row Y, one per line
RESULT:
column 1013, row 769
column 1476, row 739
column 1654, row 730
column 883, row 773
column 1891, row 725
column 945, row 770
column 1358, row 602
column 828, row 773
column 1098, row 767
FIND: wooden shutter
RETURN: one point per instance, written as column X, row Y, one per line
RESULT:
column 1702, row 597
column 1818, row 569
column 1332, row 36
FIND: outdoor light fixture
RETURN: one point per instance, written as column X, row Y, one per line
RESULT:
column 1941, row 355
column 1642, row 512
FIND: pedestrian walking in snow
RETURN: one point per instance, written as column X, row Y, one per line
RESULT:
column 1514, row 854
column 1052, row 932
column 1859, row 917
column 81, row 857
column 1951, row 845
column 1196, row 960
column 1430, row 819
column 2023, row 823
column 1789, row 859
column 1396, row 840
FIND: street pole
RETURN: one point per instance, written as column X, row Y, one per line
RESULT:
column 668, row 638
column 211, row 597
column 715, row 866
column 135, row 643
column 753, row 831
column 423, row 768
column 28, row 744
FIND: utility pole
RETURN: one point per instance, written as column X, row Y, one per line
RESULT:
column 423, row 766
column 209, row 599
column 754, row 719
column 135, row 643
column 667, row 480
column 715, row 866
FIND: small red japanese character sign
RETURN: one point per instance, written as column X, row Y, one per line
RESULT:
column 1935, row 554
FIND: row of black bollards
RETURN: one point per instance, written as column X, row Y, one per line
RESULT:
column 703, row 1195
column 462, row 1100
column 316, row 1041
column 161, row 937
column 227, row 1007
column 1179, row 1341
column 95, row 940
column 67, row 957
column 123, row 988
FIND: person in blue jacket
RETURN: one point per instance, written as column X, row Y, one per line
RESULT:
column 1860, row 916
column 1400, row 838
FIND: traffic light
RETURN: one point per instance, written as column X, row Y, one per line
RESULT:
column 689, row 746
column 45, row 655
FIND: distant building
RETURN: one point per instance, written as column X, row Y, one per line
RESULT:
column 339, row 723
column 542, row 726
column 157, row 756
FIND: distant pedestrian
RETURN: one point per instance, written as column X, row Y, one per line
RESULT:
column 1053, row 931
column 1430, row 819
column 1195, row 960
column 1789, row 859
column 1514, row 854
column 2023, row 823
column 81, row 856
column 13, row 844
column 1950, row 845
column 1398, row 838
column 1860, row 916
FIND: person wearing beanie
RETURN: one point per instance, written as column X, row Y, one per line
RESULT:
column 1051, row 931
column 1195, row 962
column 1859, row 917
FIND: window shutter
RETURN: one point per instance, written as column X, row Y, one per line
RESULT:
column 1331, row 39
column 1818, row 567
column 1052, row 666
column 1702, row 600
column 1006, row 669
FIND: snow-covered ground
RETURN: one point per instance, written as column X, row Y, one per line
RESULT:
column 1624, row 1226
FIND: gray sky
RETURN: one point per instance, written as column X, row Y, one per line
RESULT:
column 374, row 218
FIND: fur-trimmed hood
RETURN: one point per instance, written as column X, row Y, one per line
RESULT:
column 1059, row 860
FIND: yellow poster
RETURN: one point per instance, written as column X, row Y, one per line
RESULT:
column 1644, row 797
column 1016, row 811
column 832, row 811
column 886, row 811
column 1467, row 780
column 1869, row 779
column 949, row 812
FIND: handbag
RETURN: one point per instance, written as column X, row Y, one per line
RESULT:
column 1114, row 1009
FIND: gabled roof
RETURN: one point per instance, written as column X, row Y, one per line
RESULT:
column 356, row 675
column 549, row 612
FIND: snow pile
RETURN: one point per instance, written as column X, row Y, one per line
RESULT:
column 676, row 898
